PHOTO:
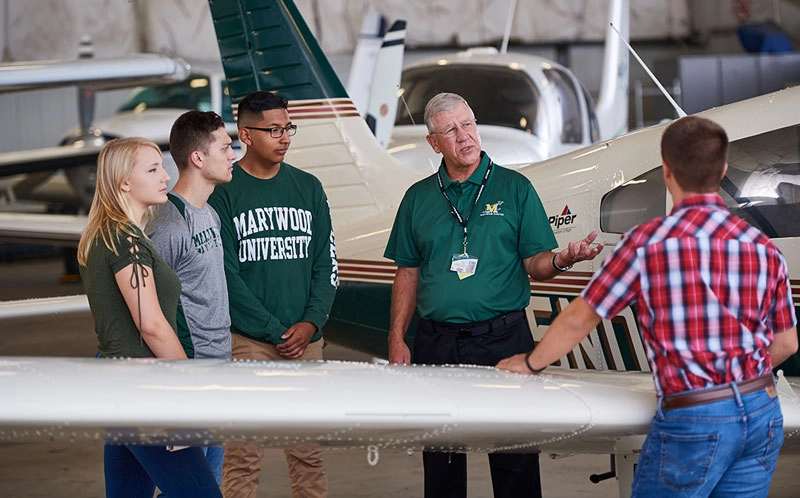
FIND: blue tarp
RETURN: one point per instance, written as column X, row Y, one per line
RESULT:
column 766, row 37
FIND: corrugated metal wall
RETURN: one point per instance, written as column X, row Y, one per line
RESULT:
column 40, row 118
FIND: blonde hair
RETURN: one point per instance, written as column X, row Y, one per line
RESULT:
column 111, row 212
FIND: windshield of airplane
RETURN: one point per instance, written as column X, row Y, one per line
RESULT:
column 192, row 93
column 762, row 186
column 498, row 95
column 763, row 181
column 571, row 126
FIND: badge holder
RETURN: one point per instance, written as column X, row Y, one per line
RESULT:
column 464, row 265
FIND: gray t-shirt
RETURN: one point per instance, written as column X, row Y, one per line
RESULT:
column 188, row 239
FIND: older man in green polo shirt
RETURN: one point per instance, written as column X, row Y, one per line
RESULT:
column 465, row 241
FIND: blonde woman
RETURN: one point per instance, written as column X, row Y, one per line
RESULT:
column 133, row 295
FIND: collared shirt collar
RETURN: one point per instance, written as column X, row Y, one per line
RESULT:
column 700, row 200
column 476, row 177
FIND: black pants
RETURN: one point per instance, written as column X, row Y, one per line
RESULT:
column 514, row 475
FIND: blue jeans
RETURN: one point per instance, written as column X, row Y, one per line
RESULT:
column 728, row 448
column 134, row 472
column 215, row 456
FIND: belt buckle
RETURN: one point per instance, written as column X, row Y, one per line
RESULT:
column 464, row 333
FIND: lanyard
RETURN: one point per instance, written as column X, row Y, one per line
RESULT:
column 463, row 222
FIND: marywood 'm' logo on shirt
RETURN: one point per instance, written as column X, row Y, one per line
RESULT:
column 493, row 209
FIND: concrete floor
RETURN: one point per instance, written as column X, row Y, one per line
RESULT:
column 76, row 470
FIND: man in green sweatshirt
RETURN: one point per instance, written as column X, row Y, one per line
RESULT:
column 281, row 270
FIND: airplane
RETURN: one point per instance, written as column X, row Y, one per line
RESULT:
column 382, row 105
column 375, row 72
column 529, row 108
column 152, row 107
column 600, row 397
column 148, row 111
column 32, row 171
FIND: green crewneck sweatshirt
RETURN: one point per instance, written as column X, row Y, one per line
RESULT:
column 280, row 256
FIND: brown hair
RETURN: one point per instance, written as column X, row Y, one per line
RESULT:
column 192, row 131
column 696, row 150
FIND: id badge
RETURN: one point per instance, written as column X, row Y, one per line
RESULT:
column 464, row 265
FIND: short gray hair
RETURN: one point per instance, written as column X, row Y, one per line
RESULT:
column 442, row 102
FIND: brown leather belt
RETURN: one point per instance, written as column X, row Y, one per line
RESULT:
column 718, row 393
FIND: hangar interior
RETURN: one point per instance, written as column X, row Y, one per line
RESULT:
column 693, row 46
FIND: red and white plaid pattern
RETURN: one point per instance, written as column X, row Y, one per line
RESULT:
column 709, row 291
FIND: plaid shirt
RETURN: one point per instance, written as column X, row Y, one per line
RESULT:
column 710, row 293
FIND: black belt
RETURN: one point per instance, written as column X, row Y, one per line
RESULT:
column 471, row 329
column 718, row 393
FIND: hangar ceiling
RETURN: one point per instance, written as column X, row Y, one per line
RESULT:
column 47, row 29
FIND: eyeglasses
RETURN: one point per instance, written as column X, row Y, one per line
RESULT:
column 278, row 131
column 467, row 126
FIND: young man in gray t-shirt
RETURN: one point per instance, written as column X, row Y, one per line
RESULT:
column 186, row 233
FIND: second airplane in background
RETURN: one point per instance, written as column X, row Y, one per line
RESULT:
column 529, row 108
column 601, row 397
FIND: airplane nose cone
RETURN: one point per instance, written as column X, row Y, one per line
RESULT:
column 89, row 137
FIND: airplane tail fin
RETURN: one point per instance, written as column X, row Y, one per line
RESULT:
column 267, row 45
column 383, row 98
column 370, row 39
column 612, row 106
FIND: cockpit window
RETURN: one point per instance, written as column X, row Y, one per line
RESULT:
column 499, row 96
column 634, row 202
column 763, row 181
column 762, row 186
column 571, row 131
column 192, row 93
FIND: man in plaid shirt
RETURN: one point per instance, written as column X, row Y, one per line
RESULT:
column 715, row 312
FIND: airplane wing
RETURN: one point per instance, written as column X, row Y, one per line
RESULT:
column 94, row 74
column 51, row 158
column 44, row 306
column 47, row 229
column 46, row 159
column 337, row 404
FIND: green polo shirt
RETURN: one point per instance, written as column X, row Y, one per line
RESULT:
column 507, row 225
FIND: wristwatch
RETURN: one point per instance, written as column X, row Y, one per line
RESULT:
column 559, row 268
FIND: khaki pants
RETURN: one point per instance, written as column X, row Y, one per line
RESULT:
column 242, row 466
